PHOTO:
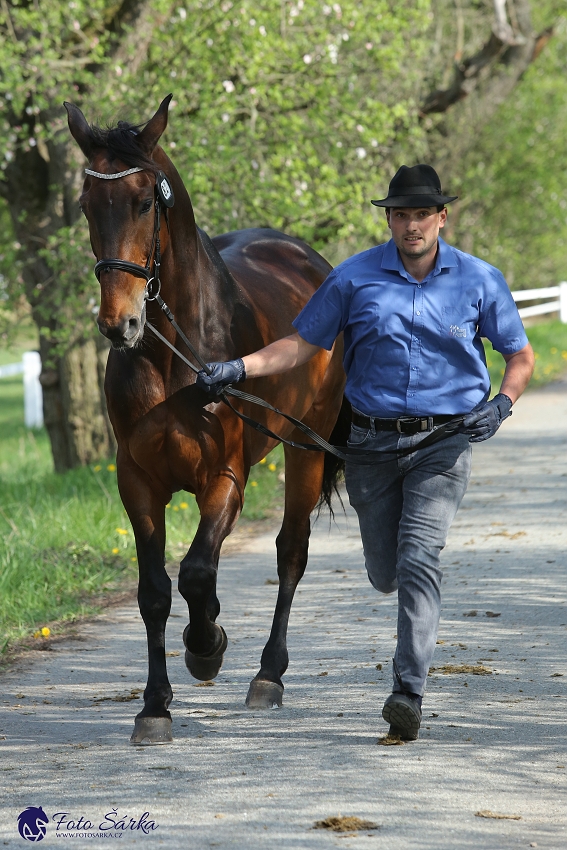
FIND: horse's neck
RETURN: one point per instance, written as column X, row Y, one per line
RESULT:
column 196, row 281
column 201, row 291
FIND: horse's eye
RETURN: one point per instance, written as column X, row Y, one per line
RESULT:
column 146, row 206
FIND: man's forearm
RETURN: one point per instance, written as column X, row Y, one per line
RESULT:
column 519, row 369
column 280, row 356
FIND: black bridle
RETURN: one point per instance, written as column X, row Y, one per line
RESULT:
column 164, row 197
column 150, row 276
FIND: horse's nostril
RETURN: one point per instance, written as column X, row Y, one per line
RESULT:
column 133, row 327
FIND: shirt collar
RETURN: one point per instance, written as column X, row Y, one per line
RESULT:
column 392, row 261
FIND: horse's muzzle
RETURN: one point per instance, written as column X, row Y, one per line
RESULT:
column 125, row 334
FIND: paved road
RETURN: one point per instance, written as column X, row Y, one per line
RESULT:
column 236, row 779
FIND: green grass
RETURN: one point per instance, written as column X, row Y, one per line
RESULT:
column 65, row 539
column 549, row 341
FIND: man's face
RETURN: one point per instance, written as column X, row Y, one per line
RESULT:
column 415, row 229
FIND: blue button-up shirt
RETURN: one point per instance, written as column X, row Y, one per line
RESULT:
column 414, row 348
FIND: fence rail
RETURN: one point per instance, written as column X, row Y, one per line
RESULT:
column 558, row 305
column 11, row 369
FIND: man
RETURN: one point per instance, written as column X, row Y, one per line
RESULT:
column 413, row 312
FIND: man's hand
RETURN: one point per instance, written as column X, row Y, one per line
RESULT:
column 483, row 422
column 222, row 374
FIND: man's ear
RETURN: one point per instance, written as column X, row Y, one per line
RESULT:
column 388, row 217
column 442, row 218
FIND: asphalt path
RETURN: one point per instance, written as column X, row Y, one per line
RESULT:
column 492, row 741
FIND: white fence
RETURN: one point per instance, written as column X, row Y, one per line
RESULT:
column 558, row 305
column 30, row 368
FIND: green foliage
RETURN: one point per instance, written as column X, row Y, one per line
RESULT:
column 286, row 115
column 515, row 181
column 45, row 49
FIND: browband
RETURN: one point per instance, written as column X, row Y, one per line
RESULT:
column 112, row 176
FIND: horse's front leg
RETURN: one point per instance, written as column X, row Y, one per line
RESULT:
column 205, row 641
column 146, row 510
column 303, row 480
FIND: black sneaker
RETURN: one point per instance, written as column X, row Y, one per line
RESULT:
column 403, row 713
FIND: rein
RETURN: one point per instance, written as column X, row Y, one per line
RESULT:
column 164, row 197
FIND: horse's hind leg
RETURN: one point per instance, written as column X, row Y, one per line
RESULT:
column 303, row 479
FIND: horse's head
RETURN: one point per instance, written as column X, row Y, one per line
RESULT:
column 122, row 204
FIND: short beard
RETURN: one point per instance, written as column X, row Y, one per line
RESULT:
column 415, row 256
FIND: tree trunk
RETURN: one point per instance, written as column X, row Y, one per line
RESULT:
column 74, row 409
column 73, row 361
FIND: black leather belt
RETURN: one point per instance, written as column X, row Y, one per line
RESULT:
column 403, row 425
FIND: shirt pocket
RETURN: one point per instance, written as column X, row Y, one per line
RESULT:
column 458, row 322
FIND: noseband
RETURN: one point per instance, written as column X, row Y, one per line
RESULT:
column 165, row 198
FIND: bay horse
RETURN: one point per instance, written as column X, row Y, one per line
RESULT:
column 231, row 295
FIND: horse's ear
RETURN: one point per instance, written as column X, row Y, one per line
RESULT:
column 150, row 135
column 79, row 128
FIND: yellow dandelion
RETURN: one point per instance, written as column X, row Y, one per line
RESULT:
column 133, row 559
column 263, row 460
column 122, row 530
column 272, row 467
column 564, row 355
column 169, row 505
column 536, row 355
column 553, row 350
column 97, row 468
column 253, row 483
column 115, row 551
column 37, row 634
column 175, row 508
column 45, row 632
column 111, row 467
column 183, row 506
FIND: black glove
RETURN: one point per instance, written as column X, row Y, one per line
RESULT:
column 485, row 420
column 222, row 374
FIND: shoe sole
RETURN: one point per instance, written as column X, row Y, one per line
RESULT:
column 402, row 717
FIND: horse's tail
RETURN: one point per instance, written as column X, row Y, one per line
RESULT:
column 335, row 467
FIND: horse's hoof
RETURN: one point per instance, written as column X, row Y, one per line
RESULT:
column 206, row 667
column 263, row 694
column 152, row 730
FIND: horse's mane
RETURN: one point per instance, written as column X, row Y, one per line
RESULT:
column 121, row 142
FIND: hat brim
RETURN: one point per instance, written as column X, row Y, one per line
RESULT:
column 433, row 200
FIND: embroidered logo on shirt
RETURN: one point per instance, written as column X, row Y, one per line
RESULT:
column 455, row 330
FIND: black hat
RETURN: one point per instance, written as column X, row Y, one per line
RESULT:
column 418, row 186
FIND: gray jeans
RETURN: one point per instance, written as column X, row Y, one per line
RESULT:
column 405, row 508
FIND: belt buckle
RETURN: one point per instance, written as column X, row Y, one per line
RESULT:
column 405, row 420
column 421, row 423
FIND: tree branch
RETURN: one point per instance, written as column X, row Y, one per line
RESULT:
column 502, row 60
